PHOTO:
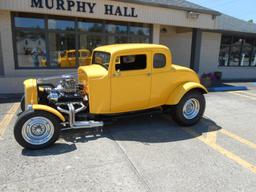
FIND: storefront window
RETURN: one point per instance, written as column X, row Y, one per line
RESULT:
column 139, row 30
column 55, row 42
column 117, row 39
column 117, row 29
column 90, row 42
column 90, row 26
column 61, row 25
column 25, row 22
column 237, row 51
column 31, row 49
column 61, row 47
column 253, row 58
column 139, row 39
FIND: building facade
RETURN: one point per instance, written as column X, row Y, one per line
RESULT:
column 40, row 38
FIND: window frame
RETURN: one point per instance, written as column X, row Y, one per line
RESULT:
column 131, row 70
column 76, row 32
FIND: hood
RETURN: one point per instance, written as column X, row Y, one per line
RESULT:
column 92, row 71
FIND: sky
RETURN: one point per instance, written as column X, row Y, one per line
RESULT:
column 242, row 9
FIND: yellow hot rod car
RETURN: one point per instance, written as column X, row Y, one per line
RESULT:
column 121, row 79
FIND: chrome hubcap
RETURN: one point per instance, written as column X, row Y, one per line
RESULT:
column 37, row 130
column 191, row 108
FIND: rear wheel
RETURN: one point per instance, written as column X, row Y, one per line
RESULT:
column 190, row 109
column 36, row 129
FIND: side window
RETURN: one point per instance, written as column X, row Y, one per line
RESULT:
column 159, row 60
column 131, row 62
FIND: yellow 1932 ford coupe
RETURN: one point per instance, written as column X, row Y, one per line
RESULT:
column 121, row 79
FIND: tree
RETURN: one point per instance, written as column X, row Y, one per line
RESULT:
column 250, row 21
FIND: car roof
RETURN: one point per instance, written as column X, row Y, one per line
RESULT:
column 126, row 47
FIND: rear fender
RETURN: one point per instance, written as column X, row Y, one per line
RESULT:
column 50, row 110
column 182, row 89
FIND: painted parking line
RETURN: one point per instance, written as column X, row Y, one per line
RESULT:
column 8, row 118
column 244, row 94
column 212, row 143
column 238, row 138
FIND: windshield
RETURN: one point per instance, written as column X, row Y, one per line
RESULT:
column 101, row 58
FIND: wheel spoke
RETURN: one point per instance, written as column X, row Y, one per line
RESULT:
column 191, row 108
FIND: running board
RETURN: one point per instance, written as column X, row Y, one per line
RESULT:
column 85, row 125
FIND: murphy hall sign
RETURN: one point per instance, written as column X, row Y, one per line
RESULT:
column 82, row 6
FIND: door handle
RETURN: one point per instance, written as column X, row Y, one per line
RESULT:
column 117, row 74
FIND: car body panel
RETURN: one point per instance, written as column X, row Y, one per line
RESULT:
column 31, row 92
column 97, row 86
column 130, row 90
column 51, row 110
column 182, row 89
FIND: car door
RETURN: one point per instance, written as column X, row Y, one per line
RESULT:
column 131, row 82
column 162, row 78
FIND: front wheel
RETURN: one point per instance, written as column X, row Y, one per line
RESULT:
column 36, row 129
column 190, row 109
column 22, row 103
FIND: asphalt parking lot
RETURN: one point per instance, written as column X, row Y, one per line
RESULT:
column 149, row 153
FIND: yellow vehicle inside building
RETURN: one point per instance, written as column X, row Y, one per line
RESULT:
column 68, row 58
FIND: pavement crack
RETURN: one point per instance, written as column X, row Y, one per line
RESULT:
column 135, row 170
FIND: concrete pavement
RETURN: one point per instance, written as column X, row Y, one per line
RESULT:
column 149, row 153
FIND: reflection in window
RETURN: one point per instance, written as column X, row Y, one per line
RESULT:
column 101, row 58
column 25, row 22
column 159, row 60
column 117, row 29
column 62, row 46
column 90, row 42
column 56, row 42
column 61, row 24
column 90, row 26
column 224, row 55
column 237, row 51
column 31, row 53
column 139, row 30
column 139, row 39
column 117, row 39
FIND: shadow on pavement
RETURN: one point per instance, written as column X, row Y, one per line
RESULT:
column 145, row 129
column 10, row 98
column 158, row 129
column 57, row 149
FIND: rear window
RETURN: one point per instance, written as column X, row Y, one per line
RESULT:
column 159, row 60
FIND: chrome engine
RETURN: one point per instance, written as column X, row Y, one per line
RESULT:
column 69, row 98
column 68, row 90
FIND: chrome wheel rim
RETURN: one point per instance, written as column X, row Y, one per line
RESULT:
column 37, row 130
column 191, row 108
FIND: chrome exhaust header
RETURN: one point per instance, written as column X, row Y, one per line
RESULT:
column 72, row 114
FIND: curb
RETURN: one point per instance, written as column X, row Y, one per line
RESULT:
column 227, row 88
